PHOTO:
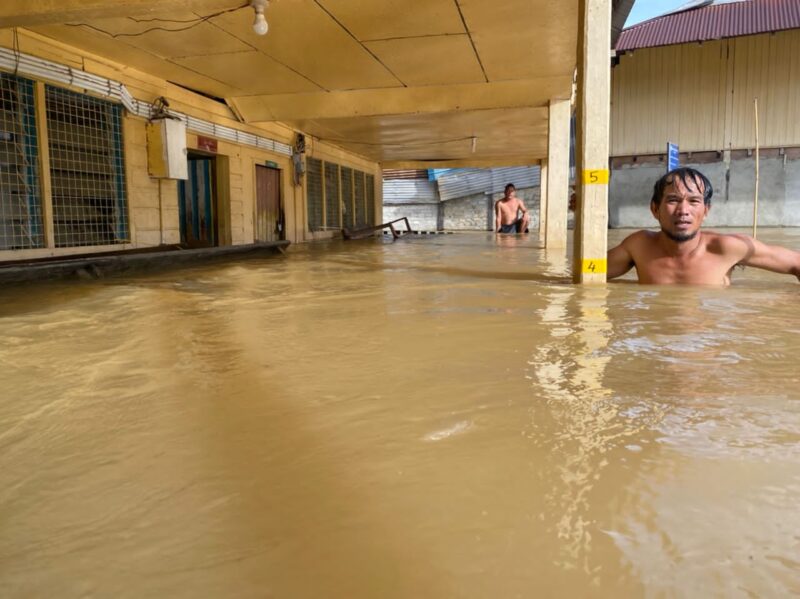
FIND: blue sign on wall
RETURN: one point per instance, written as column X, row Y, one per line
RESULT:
column 673, row 156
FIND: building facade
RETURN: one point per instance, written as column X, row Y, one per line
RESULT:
column 75, row 178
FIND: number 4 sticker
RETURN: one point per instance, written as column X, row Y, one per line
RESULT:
column 594, row 266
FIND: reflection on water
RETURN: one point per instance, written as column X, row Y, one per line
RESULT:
column 440, row 417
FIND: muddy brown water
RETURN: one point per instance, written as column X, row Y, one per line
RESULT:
column 436, row 417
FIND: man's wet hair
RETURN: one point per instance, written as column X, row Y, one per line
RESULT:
column 686, row 175
column 510, row 186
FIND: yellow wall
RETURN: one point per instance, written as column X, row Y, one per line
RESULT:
column 701, row 95
column 153, row 207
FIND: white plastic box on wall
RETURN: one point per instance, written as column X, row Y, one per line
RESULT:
column 166, row 149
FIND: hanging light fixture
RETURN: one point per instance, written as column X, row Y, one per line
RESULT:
column 260, row 25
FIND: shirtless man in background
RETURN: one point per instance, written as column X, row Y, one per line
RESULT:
column 506, row 210
column 680, row 252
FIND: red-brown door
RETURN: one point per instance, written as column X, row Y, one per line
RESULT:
column 269, row 219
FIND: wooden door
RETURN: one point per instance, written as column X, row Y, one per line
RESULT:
column 269, row 217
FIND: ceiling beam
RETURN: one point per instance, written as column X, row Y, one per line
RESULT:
column 29, row 13
column 462, row 163
column 402, row 100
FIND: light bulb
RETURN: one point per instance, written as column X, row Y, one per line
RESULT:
column 260, row 25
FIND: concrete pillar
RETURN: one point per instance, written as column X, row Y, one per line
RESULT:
column 542, row 201
column 593, row 113
column 557, row 174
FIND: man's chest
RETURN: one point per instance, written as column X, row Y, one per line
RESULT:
column 510, row 206
column 705, row 269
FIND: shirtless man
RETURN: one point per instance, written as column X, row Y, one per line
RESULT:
column 506, row 210
column 680, row 252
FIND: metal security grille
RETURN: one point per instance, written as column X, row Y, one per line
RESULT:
column 314, row 193
column 347, row 197
column 371, row 199
column 86, row 169
column 21, row 224
column 333, row 213
column 358, row 184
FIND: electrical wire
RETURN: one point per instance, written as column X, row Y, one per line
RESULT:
column 194, row 23
column 15, row 49
column 195, row 19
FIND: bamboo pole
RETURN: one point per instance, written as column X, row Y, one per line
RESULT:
column 755, row 198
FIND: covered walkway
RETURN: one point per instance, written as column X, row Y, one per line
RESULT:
column 435, row 84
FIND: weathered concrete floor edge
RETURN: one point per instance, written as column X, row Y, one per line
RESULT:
column 94, row 267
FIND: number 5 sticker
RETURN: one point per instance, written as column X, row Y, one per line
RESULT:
column 595, row 177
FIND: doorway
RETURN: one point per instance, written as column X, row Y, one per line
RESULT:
column 197, row 203
column 269, row 215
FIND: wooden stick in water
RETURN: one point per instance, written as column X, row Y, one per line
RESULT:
column 755, row 199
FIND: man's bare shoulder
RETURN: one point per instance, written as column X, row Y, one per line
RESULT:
column 734, row 245
column 639, row 240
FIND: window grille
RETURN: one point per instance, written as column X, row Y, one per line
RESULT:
column 347, row 198
column 21, row 224
column 86, row 169
column 371, row 199
column 314, row 193
column 333, row 212
column 361, row 214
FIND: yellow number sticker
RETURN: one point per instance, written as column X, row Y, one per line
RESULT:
column 596, row 177
column 594, row 266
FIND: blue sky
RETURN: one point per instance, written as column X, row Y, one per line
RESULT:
column 647, row 9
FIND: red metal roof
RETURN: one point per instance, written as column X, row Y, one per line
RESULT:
column 712, row 22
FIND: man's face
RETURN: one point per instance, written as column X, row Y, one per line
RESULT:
column 682, row 210
column 510, row 193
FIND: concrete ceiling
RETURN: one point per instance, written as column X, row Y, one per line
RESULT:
column 398, row 82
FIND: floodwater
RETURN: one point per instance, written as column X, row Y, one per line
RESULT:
column 437, row 417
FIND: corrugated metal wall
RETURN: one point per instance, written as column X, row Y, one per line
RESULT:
column 700, row 96
column 409, row 191
column 464, row 182
column 522, row 177
column 458, row 183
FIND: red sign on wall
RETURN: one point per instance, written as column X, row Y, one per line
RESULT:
column 207, row 143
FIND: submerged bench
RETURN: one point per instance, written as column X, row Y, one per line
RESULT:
column 367, row 231
column 95, row 266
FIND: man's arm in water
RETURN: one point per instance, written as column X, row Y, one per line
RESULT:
column 619, row 259
column 497, row 220
column 760, row 255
